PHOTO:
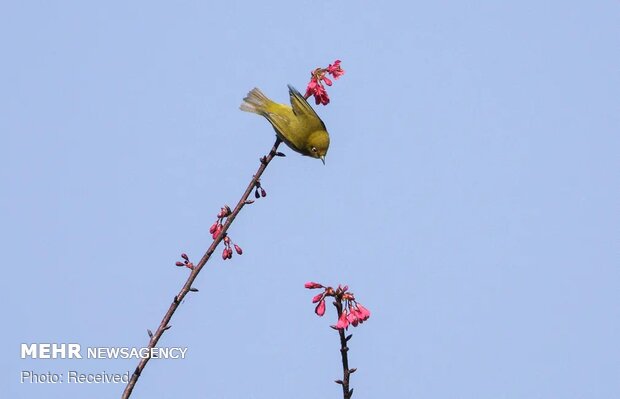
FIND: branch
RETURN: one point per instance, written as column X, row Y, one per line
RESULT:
column 346, row 372
column 350, row 312
column 187, row 287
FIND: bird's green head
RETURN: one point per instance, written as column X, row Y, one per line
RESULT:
column 318, row 144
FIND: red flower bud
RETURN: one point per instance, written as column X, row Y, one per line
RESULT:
column 238, row 249
column 317, row 297
column 217, row 231
column 184, row 256
column 180, row 264
column 312, row 285
column 225, row 254
column 263, row 193
column 213, row 227
column 320, row 308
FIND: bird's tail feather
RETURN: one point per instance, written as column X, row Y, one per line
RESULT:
column 255, row 102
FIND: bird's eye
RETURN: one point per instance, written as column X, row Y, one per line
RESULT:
column 314, row 149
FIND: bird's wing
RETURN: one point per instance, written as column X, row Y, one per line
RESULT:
column 301, row 108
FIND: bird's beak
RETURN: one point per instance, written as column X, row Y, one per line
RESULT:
column 322, row 158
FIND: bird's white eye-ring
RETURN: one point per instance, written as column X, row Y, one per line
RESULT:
column 314, row 149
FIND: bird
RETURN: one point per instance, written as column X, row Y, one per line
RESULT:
column 297, row 125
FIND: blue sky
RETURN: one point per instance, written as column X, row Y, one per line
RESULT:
column 469, row 199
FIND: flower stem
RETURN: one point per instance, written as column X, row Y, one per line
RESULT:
column 163, row 326
column 344, row 349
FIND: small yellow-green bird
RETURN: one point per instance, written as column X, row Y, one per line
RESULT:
column 297, row 125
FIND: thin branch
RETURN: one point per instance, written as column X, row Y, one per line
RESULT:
column 187, row 287
column 344, row 350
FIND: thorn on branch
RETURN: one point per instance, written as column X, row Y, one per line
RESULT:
column 176, row 299
column 263, row 159
column 353, row 370
column 168, row 327
column 248, row 202
column 193, row 289
column 280, row 154
column 338, row 382
column 150, row 333
column 348, row 337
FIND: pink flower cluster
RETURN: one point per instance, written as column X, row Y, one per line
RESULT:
column 352, row 312
column 318, row 77
column 216, row 229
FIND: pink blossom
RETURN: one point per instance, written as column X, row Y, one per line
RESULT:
column 320, row 96
column 358, row 316
column 343, row 322
column 311, row 86
column 320, row 308
column 335, row 70
column 318, row 78
column 352, row 318
column 316, row 89
column 364, row 313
